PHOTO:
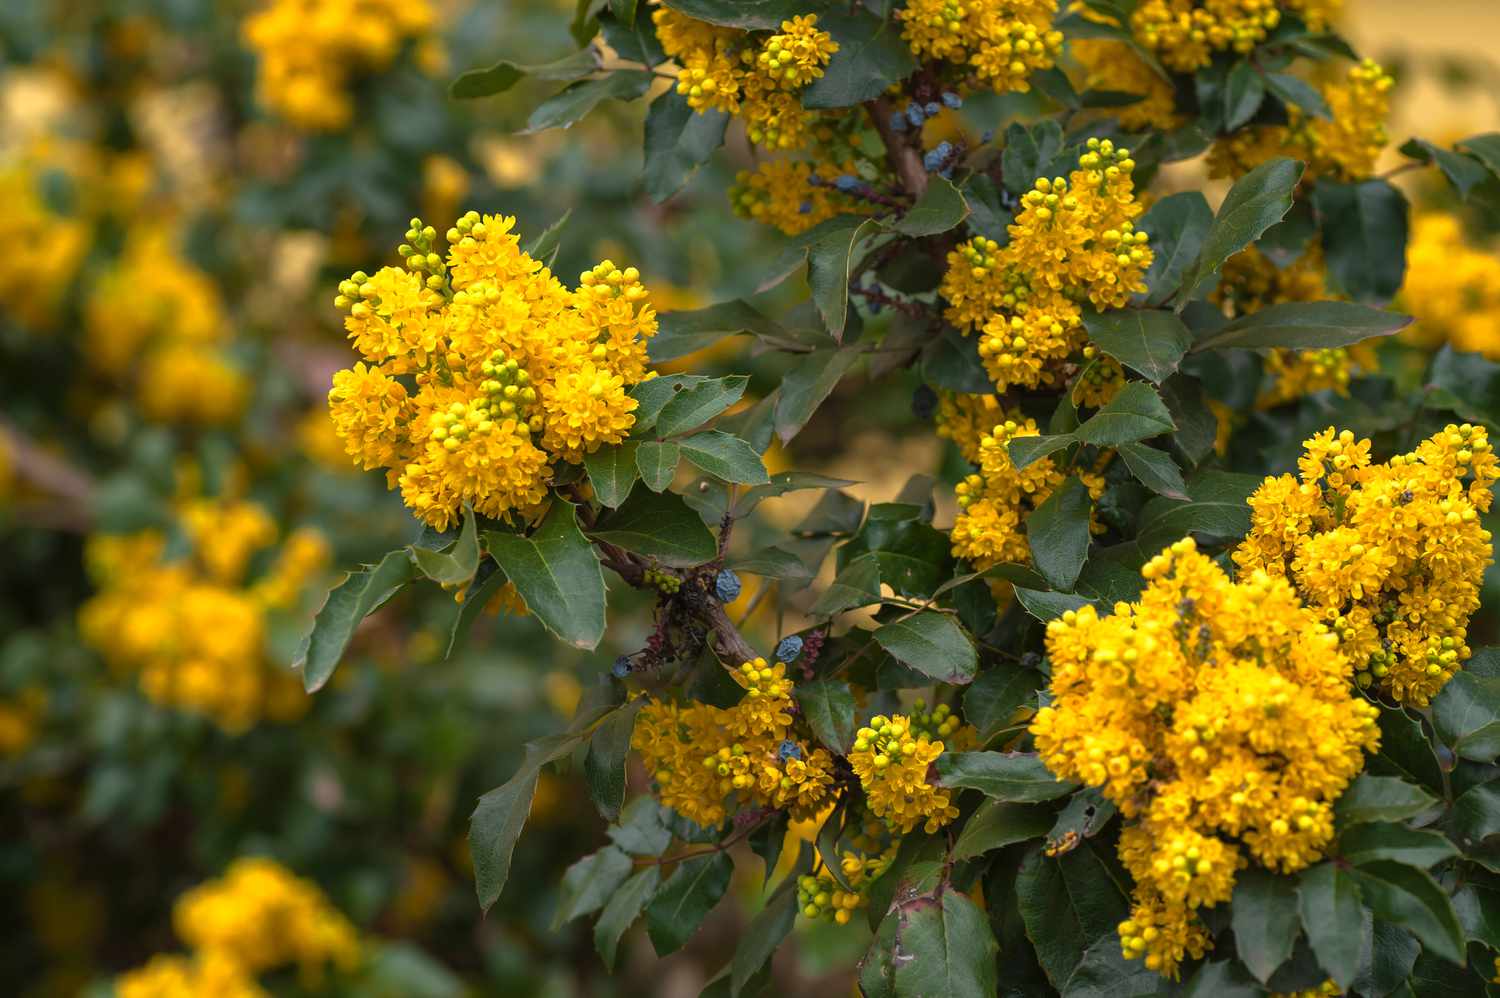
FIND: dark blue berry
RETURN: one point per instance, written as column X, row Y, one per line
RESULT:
column 924, row 402
column 789, row 648
column 789, row 750
column 727, row 586
column 915, row 114
column 804, row 208
column 898, row 122
column 952, row 99
column 847, row 183
column 621, row 668
column 932, row 108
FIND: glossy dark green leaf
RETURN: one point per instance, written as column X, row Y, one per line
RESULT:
column 871, row 57
column 1328, row 902
column 456, row 565
column 621, row 911
column 678, row 141
column 604, row 766
column 1463, row 172
column 660, row 526
column 487, row 583
column 641, row 829
column 1044, row 605
column 684, row 332
column 685, row 900
column 829, row 263
column 1364, row 237
column 932, row 643
column 772, row 563
column 806, row 386
column 612, row 472
column 941, row 208
column 1135, row 413
column 763, row 935
column 1466, row 715
column 1386, row 959
column 1411, row 899
column 1221, row 979
column 749, row 14
column 697, row 404
column 505, row 74
column 652, row 396
column 1299, row 93
column 1216, row 507
column 1380, row 798
column 828, row 706
column 657, row 463
column 1244, row 90
column 1367, row 843
column 1000, row 823
column 588, row 884
column 858, row 584
column 946, row 948
column 1177, row 224
column 1026, row 451
column 558, row 575
column 725, row 457
column 1068, row 904
column 1017, row 777
column 360, row 594
column 1311, row 325
column 1264, row 917
column 1476, row 814
column 1058, row 534
column 1028, row 151
column 1149, row 342
column 1257, row 201
column 572, row 104
column 1154, row 469
column 995, row 695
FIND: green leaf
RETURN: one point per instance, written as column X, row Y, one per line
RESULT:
column 505, row 74
column 1328, row 901
column 1478, row 908
column 1177, row 224
column 1244, row 91
column 1463, row 172
column 589, row 883
column 1135, row 413
column 360, row 594
column 829, row 262
column 1476, row 814
column 487, row 582
column 1264, row 917
column 941, row 208
column 806, row 386
column 635, row 42
column 1466, row 715
column 545, row 246
column 461, row 561
column 1310, row 325
column 1068, row 903
column 695, row 405
column 1147, row 341
column 657, row 463
column 1028, row 152
column 660, row 526
column 871, row 57
column 995, row 696
column 1406, row 752
column 763, row 935
column 1259, row 200
column 945, row 947
column 652, row 397
column 604, row 766
column 1378, row 841
column 1018, row 777
column 750, row 14
column 622, row 910
column 1154, row 469
column 828, row 706
column 1364, row 237
column 678, row 141
column 1411, row 899
column 1299, row 93
column 783, row 482
column 1486, row 148
column 565, row 108
column 612, row 472
column 1221, row 979
column 1216, row 507
column 1026, row 451
column 1087, row 814
column 1045, row 606
column 999, row 823
column 773, row 563
column 726, row 457
column 858, row 584
column 682, row 333
column 1380, row 798
column 685, row 900
column 557, row 573
column 933, row 644
column 1058, row 534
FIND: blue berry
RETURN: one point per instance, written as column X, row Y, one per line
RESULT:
column 930, row 160
column 847, row 184
column 621, row 668
column 804, row 208
column 915, row 115
column 898, row 122
column 933, row 108
column 952, row 99
column 789, row 648
column 789, row 750
column 727, row 586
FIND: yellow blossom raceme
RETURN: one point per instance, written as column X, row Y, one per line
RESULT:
column 820, row 895
column 891, row 760
column 207, row 973
column 33, row 283
column 1114, row 66
column 311, row 51
column 1452, row 287
column 782, row 193
column 1392, row 555
column 187, row 383
column 967, row 419
column 1185, row 34
column 1000, row 43
column 511, row 371
column 1219, row 718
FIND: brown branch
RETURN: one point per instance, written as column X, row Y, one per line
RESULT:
column 54, row 476
column 905, row 158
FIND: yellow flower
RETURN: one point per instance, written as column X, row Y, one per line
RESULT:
column 208, row 973
column 891, row 758
column 1452, row 287
column 1001, row 41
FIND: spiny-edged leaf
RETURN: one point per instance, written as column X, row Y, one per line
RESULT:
column 652, row 397
column 1386, row 958
column 612, row 472
column 806, row 386
column 1221, row 979
column 545, row 244
column 828, row 706
column 1299, row 93
column 996, row 694
column 1028, row 151
column 759, row 940
column 829, row 262
column 1068, row 903
column 682, row 333
column 1311, row 325
column 1380, row 798
column 621, row 911
column 1154, row 469
column 563, row 109
column 678, row 140
column 932, row 643
column 687, row 897
column 1259, row 200
column 724, row 456
column 772, row 563
column 1216, row 507
column 1264, row 917
column 1058, row 534
column 1364, row 229
column 488, row 581
column 1485, row 147
column 1464, row 383
column 656, row 460
column 857, row 585
column 1405, row 752
column 1025, row 451
column 751, row 14
column 1328, row 902
column 496, row 822
column 1177, row 225
column 783, row 482
column 660, row 526
column 1476, row 814
column 696, row 405
column 635, row 42
column 1463, row 172
column 1019, row 777
column 944, row 946
column 589, row 883
column 1466, row 715
column 505, row 74
column 351, row 601
column 941, row 208
column 459, row 563
column 604, row 766
column 1135, row 413
column 1148, row 341
column 1413, row 846
column 1244, row 91
column 1411, row 899
column 1045, row 605
column 557, row 573
column 871, row 57
column 1000, row 823
column 1086, row 815
column 767, row 841
column 642, row 829
column 1477, row 905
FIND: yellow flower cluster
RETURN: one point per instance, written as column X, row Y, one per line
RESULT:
column 33, row 282
column 21, row 719
column 512, row 371
column 1185, row 34
column 310, row 52
column 1219, row 718
column 1344, row 146
column 1113, row 65
column 998, row 42
column 1452, row 287
column 891, row 757
column 156, row 318
column 781, row 192
column 709, row 762
column 820, row 895
column 257, row 917
column 967, row 420
column 756, row 75
column 1391, row 555
column 995, row 503
column 192, row 629
column 1073, row 243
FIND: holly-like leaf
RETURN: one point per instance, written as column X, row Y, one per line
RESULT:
column 1265, row 921
column 505, row 74
column 678, row 141
column 682, row 333
column 1463, row 172
column 858, row 584
column 806, row 386
column 1257, row 201
column 1068, row 904
column 1311, row 325
column 612, row 472
column 1244, row 90
column 748, row 14
column 621, row 911
column 1000, row 823
column 695, row 405
column 589, row 884
column 1466, row 714
column 1380, row 798
column 941, row 208
column 557, row 573
column 360, row 594
column 604, row 766
column 1411, row 899
column 828, row 705
column 765, row 932
column 1028, row 152
column 1154, row 469
column 1367, row 843
column 660, row 526
column 572, row 104
column 1149, row 342
column 943, row 946
column 458, row 563
column 1135, row 413
column 1177, row 224
column 993, row 698
column 1364, row 237
column 1018, row 777
column 1299, row 93
column 871, row 57
column 685, row 900
column 1216, row 507
column 932, row 643
column 724, row 456
column 1045, row 605
column 656, row 460
column 1328, row 902
column 1058, row 534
